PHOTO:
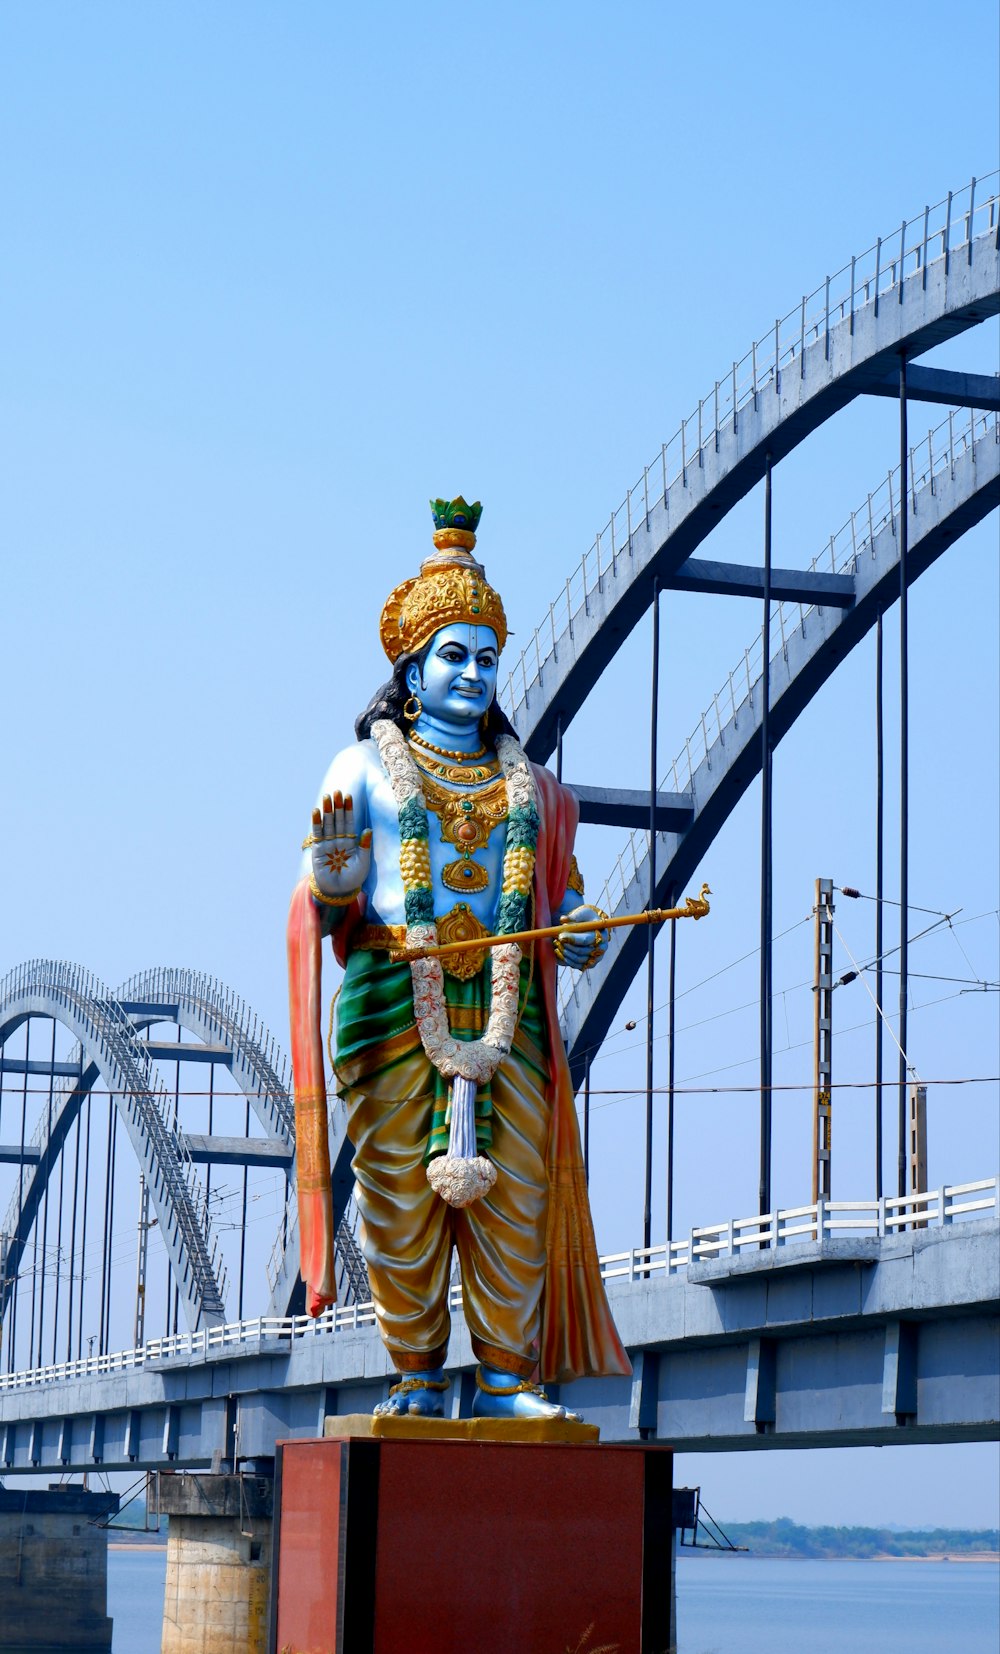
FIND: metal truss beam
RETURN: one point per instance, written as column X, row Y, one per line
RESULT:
column 59, row 1070
column 236, row 1151
column 832, row 591
column 951, row 390
column 12, row 1154
column 629, row 807
column 165, row 1050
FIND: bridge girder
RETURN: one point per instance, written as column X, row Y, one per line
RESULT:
column 844, row 1343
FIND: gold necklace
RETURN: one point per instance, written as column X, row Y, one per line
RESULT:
column 443, row 752
column 467, row 775
column 467, row 820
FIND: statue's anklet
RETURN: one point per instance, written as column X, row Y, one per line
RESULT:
column 522, row 1387
column 407, row 1385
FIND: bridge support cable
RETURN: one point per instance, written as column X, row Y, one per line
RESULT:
column 15, row 1288
column 34, row 1238
column 72, row 1239
column 243, row 1219
column 45, row 1208
column 766, row 864
column 211, row 1130
column 654, row 733
column 671, row 1006
column 904, row 772
column 59, row 1225
column 83, row 1230
column 103, row 1336
column 177, row 1110
column 879, row 889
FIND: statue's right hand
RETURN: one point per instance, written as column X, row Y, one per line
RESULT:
column 340, row 859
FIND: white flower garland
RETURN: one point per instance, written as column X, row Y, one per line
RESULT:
column 473, row 1060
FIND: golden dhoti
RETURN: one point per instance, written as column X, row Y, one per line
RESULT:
column 408, row 1231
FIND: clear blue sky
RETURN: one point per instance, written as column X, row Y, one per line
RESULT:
column 274, row 275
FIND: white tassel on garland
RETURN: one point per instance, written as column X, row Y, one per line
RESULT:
column 462, row 1176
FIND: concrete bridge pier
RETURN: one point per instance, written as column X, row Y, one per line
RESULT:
column 54, row 1570
column 218, row 1561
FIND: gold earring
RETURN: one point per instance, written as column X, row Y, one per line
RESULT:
column 418, row 706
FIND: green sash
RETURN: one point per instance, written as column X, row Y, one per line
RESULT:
column 377, row 1028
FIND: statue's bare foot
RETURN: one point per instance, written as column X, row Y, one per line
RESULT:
column 419, row 1394
column 500, row 1395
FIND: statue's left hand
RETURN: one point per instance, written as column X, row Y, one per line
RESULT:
column 582, row 948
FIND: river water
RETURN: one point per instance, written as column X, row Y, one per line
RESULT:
column 729, row 1605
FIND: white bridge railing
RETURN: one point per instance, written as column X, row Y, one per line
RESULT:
column 820, row 1222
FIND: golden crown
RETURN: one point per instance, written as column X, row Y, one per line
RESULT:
column 451, row 587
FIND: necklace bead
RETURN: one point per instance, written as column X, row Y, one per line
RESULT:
column 444, row 752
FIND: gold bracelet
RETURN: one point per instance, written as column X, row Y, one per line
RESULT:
column 330, row 901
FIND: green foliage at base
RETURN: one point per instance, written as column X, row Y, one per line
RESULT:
column 786, row 1538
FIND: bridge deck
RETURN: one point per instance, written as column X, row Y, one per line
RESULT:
column 877, row 1340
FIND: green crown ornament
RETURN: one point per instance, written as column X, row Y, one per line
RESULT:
column 456, row 514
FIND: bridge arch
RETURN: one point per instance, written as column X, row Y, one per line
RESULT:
column 116, row 1050
column 958, row 488
column 109, row 1050
column 211, row 1011
column 937, row 277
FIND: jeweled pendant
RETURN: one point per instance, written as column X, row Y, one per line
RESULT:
column 466, row 876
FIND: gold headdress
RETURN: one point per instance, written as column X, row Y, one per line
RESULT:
column 450, row 587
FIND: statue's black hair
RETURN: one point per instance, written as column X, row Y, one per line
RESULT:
column 388, row 702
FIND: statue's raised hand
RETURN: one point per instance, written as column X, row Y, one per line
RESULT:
column 340, row 859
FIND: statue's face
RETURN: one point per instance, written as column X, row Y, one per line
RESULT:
column 459, row 678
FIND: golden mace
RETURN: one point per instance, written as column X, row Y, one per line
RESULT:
column 695, row 907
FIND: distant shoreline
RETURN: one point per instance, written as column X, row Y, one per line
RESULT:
column 992, row 1557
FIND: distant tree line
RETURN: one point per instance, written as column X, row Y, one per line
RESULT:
column 786, row 1538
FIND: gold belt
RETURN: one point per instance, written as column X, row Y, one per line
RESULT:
column 459, row 925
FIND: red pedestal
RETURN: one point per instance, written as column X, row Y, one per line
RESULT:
column 445, row 1547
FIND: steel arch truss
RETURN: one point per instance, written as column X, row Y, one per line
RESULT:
column 951, row 502
column 718, row 458
column 110, row 1051
column 113, row 1050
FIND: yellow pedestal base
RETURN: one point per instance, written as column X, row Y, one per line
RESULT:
column 408, row 1427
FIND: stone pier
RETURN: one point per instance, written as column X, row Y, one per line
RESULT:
column 218, row 1562
column 54, row 1570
